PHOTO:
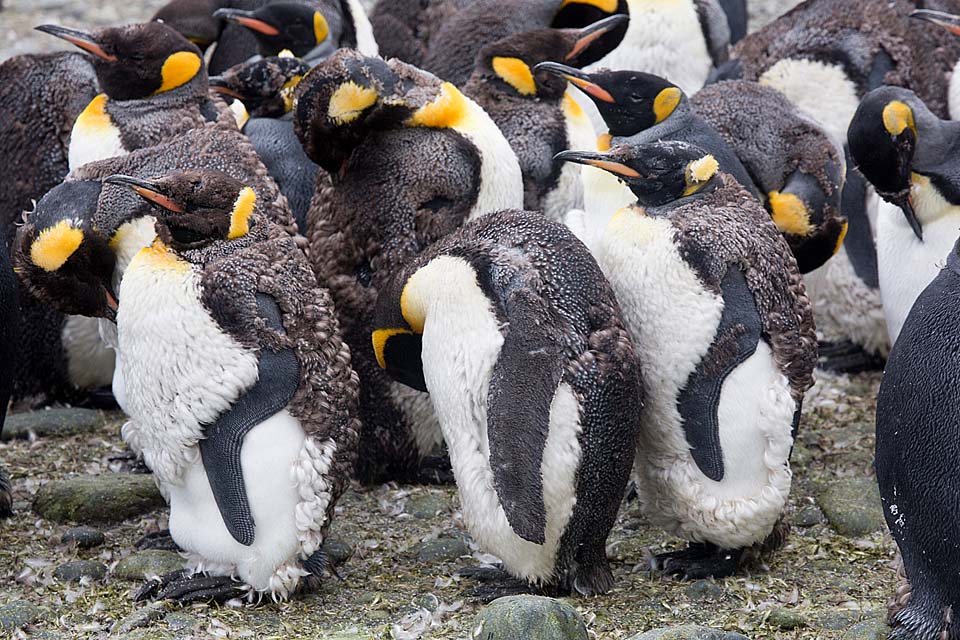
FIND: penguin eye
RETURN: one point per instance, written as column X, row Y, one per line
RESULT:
column 436, row 204
column 636, row 97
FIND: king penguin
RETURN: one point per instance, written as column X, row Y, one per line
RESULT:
column 252, row 433
column 9, row 346
column 408, row 159
column 917, row 436
column 726, row 340
column 535, row 111
column 404, row 28
column 909, row 155
column 514, row 331
column 193, row 19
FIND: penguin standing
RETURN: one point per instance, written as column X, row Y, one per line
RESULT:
column 252, row 434
column 265, row 90
column 535, row 112
column 910, row 156
column 9, row 340
column 408, row 160
column 727, row 346
column 916, row 455
column 514, row 331
column 310, row 29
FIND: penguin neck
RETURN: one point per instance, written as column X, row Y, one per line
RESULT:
column 680, row 118
column 929, row 204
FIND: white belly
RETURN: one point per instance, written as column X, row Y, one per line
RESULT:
column 89, row 144
column 269, row 454
column 907, row 264
column 953, row 93
column 568, row 194
column 603, row 196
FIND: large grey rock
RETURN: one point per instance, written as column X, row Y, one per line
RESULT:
column 50, row 423
column 530, row 618
column 76, row 570
column 108, row 498
column 338, row 551
column 837, row 620
column 145, row 564
column 441, row 549
column 872, row 629
column 83, row 537
column 426, row 506
column 852, row 506
column 786, row 619
column 703, row 590
column 18, row 613
column 139, row 618
column 688, row 632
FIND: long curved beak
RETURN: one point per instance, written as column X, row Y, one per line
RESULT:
column 247, row 19
column 906, row 205
column 77, row 38
column 599, row 160
column 595, row 31
column 577, row 78
column 146, row 190
column 948, row 21
column 219, row 84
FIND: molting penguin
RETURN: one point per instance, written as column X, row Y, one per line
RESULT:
column 910, row 157
column 410, row 159
column 917, row 436
column 726, row 340
column 795, row 164
column 404, row 28
column 535, row 111
column 514, row 331
column 252, row 433
column 193, row 19
column 311, row 30
column 236, row 43
column 154, row 87
column 265, row 90
column 951, row 23
column 40, row 98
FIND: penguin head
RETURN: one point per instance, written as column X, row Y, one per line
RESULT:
column 628, row 101
column 397, row 335
column 509, row 63
column 193, row 19
column 196, row 208
column 948, row 21
column 657, row 173
column 294, row 26
column 265, row 87
column 64, row 259
column 884, row 139
column 137, row 61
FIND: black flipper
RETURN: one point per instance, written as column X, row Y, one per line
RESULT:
column 522, row 386
column 220, row 449
column 861, row 249
column 736, row 340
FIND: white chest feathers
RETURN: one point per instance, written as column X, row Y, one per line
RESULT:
column 953, row 93
column 664, row 38
column 94, row 135
column 568, row 193
column 366, row 43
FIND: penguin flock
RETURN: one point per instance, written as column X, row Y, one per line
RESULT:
column 544, row 249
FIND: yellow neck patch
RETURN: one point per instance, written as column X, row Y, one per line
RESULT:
column 320, row 27
column 843, row 236
column 380, row 337
column 412, row 308
column 665, row 103
column 240, row 113
column 240, row 216
column 449, row 109
column 349, row 101
column 790, row 214
column 159, row 256
column 95, row 117
column 699, row 173
column 604, row 140
column 287, row 92
column 607, row 6
column 55, row 246
column 571, row 108
column 515, row 73
column 179, row 69
column 898, row 116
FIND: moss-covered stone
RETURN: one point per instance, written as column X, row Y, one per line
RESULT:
column 529, row 617
column 76, row 570
column 688, row 632
column 108, row 498
column 145, row 564
column 83, row 537
column 441, row 549
column 50, row 423
column 852, row 506
column 19, row 613
column 786, row 619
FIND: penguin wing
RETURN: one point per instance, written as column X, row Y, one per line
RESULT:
column 736, row 340
column 524, row 381
column 716, row 29
column 277, row 381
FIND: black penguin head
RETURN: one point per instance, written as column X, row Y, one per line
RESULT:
column 397, row 334
column 137, row 61
column 62, row 258
column 196, row 208
column 657, row 173
column 510, row 61
column 883, row 138
column 266, row 86
column 628, row 101
column 278, row 26
column 193, row 19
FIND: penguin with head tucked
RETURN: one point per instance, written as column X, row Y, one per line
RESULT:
column 404, row 28
column 909, row 155
column 792, row 160
column 917, row 436
column 154, row 86
column 410, row 159
column 40, row 98
column 252, row 433
column 264, row 91
column 514, row 331
column 310, row 29
column 534, row 110
column 727, row 346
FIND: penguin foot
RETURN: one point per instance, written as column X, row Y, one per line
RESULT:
column 847, row 357
column 698, row 561
column 435, row 470
column 185, row 588
column 495, row 583
column 593, row 580
column 157, row 541
column 6, row 498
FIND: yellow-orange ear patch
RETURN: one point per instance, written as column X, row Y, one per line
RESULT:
column 790, row 214
column 349, row 101
column 179, row 69
column 699, row 173
column 898, row 116
column 516, row 73
column 843, row 236
column 240, row 216
column 55, row 245
column 379, row 338
column 445, row 112
column 607, row 6
column 320, row 27
column 604, row 140
column 665, row 103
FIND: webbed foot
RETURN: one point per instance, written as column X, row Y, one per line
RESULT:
column 185, row 588
column 698, row 561
column 158, row 541
column 494, row 583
